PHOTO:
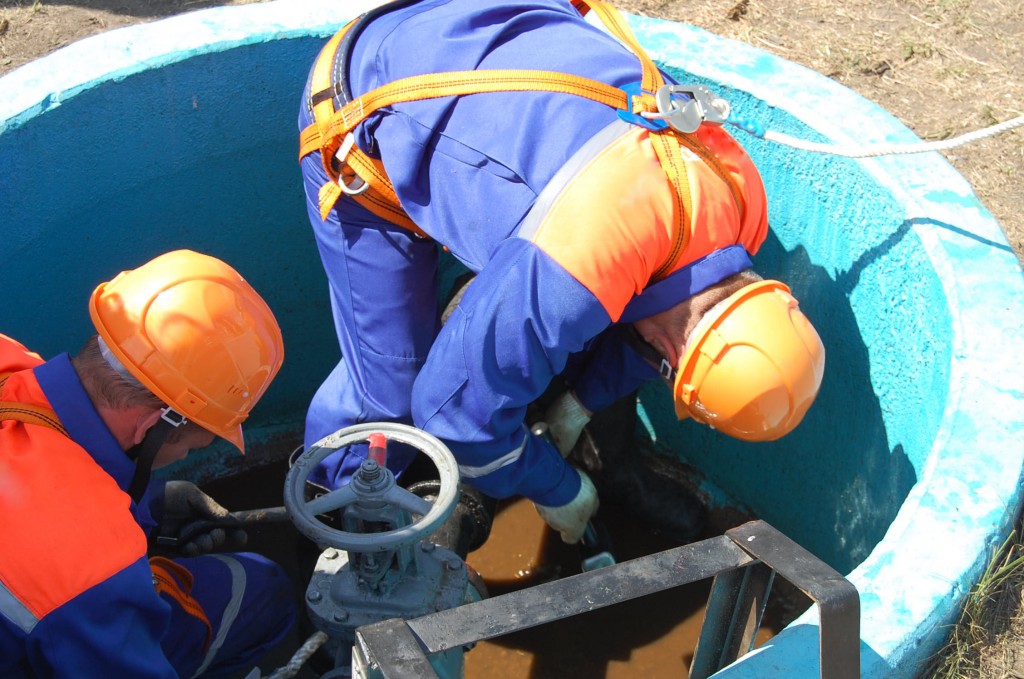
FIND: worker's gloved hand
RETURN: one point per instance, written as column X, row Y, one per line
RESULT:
column 186, row 509
column 566, row 418
column 570, row 520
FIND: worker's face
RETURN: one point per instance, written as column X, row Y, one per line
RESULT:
column 181, row 443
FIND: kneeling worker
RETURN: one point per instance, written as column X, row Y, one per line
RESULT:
column 185, row 348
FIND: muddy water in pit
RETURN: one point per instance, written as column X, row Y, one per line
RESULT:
column 652, row 636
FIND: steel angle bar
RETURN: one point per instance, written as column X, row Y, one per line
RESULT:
column 733, row 615
column 389, row 649
column 837, row 599
column 526, row 608
column 577, row 594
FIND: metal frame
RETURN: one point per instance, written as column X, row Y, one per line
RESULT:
column 743, row 563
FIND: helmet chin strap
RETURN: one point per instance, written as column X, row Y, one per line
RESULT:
column 649, row 353
column 145, row 452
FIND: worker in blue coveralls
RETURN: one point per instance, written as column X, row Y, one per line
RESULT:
column 611, row 243
column 184, row 349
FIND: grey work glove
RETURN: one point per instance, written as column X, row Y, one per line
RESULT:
column 570, row 520
column 566, row 418
column 192, row 516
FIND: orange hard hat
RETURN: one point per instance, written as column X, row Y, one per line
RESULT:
column 752, row 366
column 195, row 333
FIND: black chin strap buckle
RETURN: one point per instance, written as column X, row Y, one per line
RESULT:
column 667, row 371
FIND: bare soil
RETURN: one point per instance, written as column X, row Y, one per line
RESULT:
column 943, row 67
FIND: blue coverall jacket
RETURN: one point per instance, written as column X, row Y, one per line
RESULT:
column 558, row 262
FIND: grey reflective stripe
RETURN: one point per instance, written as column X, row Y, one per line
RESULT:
column 586, row 153
column 15, row 611
column 506, row 459
column 230, row 611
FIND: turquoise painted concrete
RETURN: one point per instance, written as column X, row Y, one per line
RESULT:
column 905, row 474
column 158, row 137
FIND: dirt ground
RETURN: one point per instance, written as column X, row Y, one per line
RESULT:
column 943, row 67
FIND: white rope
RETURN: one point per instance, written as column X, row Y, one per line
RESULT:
column 881, row 150
column 304, row 653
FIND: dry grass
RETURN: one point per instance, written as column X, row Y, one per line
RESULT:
column 988, row 639
column 943, row 67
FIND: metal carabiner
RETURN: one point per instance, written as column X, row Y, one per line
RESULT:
column 358, row 184
column 702, row 107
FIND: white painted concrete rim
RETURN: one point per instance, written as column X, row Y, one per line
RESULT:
column 45, row 83
column 934, row 549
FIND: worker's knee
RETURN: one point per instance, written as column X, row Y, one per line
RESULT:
column 265, row 613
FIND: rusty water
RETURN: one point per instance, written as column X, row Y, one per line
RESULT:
column 653, row 636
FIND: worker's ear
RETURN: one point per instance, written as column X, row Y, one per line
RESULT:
column 144, row 421
column 659, row 331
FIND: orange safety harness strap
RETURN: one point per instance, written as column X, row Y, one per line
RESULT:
column 364, row 178
column 166, row 578
column 667, row 141
column 29, row 414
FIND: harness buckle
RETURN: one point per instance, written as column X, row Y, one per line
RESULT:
column 358, row 184
column 686, row 115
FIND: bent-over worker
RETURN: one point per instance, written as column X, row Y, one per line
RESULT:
column 608, row 246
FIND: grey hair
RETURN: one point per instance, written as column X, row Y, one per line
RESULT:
column 106, row 379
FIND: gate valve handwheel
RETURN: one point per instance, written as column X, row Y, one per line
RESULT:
column 382, row 489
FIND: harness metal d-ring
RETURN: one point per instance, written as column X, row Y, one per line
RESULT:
column 701, row 106
column 358, row 184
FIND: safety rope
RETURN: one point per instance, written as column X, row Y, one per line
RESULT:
column 757, row 130
column 301, row 656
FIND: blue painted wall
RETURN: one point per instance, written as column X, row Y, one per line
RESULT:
column 198, row 154
column 839, row 256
